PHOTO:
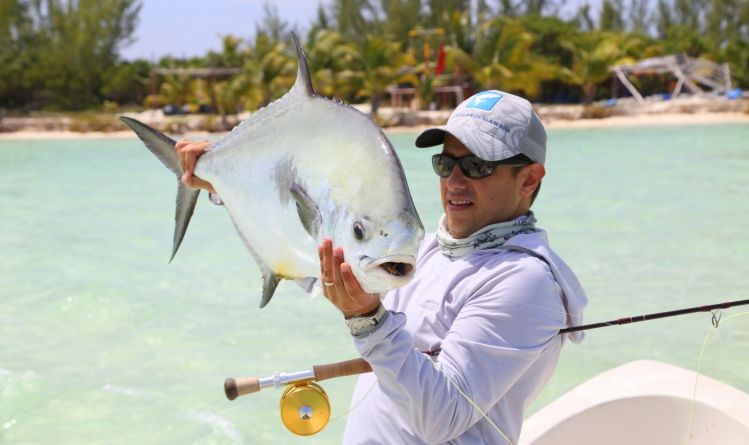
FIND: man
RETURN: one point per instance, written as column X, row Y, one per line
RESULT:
column 460, row 351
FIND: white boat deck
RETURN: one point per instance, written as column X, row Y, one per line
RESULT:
column 643, row 402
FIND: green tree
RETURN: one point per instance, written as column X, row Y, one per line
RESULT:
column 379, row 63
column 400, row 17
column 177, row 90
column 502, row 58
column 611, row 15
column 127, row 83
column 232, row 53
column 227, row 94
column 356, row 19
column 268, row 72
column 683, row 39
column 595, row 53
column 19, row 44
column 322, row 21
column 329, row 55
column 271, row 24
column 517, row 8
column 639, row 16
column 737, row 54
column 81, row 45
column 548, row 34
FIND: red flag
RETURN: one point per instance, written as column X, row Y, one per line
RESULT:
column 440, row 60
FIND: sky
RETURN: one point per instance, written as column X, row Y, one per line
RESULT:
column 193, row 27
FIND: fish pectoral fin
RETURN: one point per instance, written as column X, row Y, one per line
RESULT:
column 270, row 282
column 309, row 213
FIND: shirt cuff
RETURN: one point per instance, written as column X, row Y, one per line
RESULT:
column 391, row 323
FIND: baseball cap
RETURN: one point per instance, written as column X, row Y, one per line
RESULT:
column 493, row 125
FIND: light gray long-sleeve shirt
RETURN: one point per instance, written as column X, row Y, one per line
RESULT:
column 494, row 315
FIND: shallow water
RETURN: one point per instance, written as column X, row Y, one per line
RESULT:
column 102, row 341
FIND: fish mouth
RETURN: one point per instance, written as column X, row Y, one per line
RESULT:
column 394, row 265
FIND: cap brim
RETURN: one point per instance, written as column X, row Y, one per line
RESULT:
column 487, row 147
column 431, row 137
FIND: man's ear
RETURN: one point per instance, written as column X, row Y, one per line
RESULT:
column 534, row 173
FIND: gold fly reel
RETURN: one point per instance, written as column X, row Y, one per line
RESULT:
column 305, row 409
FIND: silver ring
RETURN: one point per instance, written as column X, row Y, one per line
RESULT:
column 328, row 284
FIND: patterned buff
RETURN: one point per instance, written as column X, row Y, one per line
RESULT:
column 486, row 238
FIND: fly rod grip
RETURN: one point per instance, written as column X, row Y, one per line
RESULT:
column 341, row 369
column 234, row 388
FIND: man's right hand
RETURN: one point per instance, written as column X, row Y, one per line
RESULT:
column 189, row 152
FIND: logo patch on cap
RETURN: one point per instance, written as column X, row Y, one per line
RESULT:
column 484, row 101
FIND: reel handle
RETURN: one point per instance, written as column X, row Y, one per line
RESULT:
column 341, row 369
column 234, row 388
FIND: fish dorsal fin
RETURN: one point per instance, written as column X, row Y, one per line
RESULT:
column 303, row 84
column 309, row 213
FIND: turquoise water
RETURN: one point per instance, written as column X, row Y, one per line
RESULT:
column 102, row 341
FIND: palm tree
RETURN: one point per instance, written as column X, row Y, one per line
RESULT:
column 355, row 18
column 268, row 72
column 177, row 90
column 329, row 54
column 596, row 52
column 378, row 63
column 502, row 58
column 228, row 98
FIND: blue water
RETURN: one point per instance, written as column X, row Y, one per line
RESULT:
column 103, row 341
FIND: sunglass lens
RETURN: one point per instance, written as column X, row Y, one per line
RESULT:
column 474, row 167
column 442, row 165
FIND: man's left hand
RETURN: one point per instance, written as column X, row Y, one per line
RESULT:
column 340, row 285
column 189, row 152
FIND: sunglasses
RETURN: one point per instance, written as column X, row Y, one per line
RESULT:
column 471, row 166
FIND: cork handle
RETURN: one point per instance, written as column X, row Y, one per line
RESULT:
column 234, row 388
column 341, row 369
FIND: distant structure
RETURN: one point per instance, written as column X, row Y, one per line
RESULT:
column 210, row 74
column 689, row 73
column 402, row 97
column 206, row 73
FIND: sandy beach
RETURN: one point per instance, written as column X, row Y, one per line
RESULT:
column 666, row 119
column 692, row 110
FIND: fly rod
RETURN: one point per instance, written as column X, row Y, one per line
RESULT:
column 646, row 317
column 243, row 386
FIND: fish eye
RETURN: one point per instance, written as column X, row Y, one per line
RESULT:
column 358, row 231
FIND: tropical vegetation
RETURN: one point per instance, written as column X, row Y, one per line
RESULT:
column 66, row 54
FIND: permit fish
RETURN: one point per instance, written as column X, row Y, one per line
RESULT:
column 301, row 169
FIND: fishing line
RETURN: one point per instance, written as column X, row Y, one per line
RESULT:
column 716, row 320
column 356, row 405
column 465, row 396
column 452, row 382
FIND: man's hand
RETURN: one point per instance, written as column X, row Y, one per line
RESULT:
column 189, row 152
column 340, row 285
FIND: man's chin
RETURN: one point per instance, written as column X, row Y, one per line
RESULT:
column 458, row 228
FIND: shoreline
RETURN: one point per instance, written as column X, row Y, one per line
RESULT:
column 644, row 120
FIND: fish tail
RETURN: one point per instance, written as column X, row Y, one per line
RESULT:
column 162, row 147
